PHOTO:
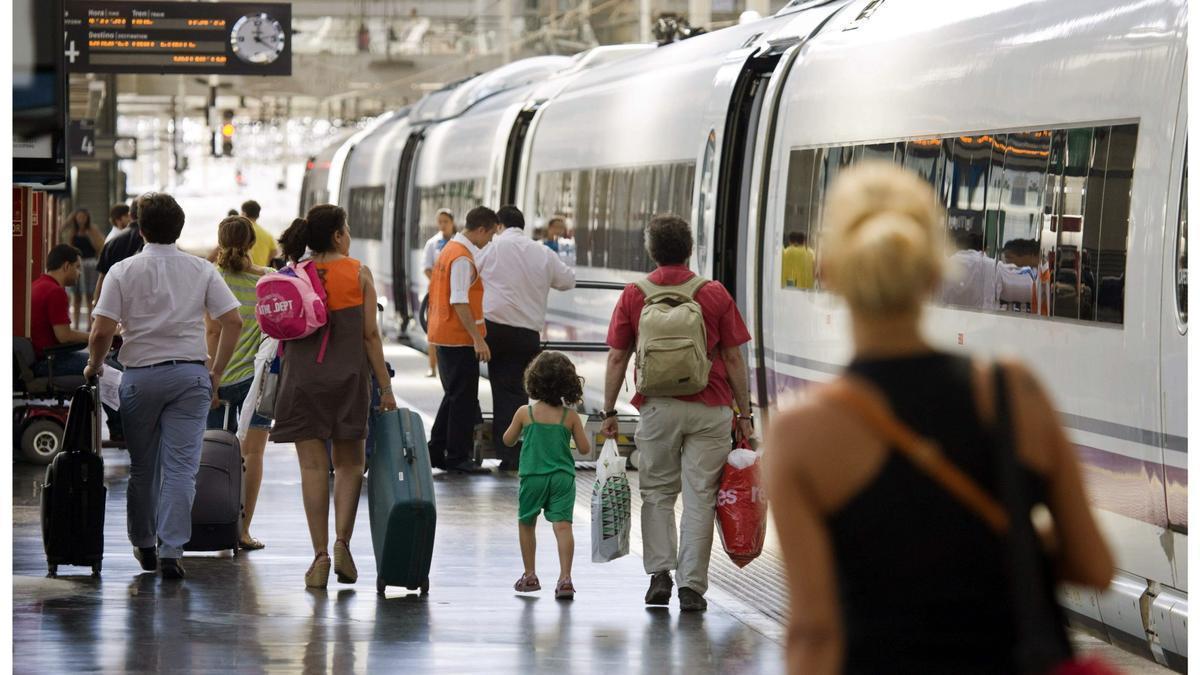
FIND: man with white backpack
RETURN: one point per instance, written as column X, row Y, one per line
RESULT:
column 686, row 333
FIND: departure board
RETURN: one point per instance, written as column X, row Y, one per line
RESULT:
column 231, row 38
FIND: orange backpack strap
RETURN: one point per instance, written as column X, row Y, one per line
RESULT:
column 870, row 407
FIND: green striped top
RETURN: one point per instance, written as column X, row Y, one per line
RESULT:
column 241, row 364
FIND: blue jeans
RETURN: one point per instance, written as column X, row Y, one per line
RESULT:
column 70, row 363
column 236, row 396
column 163, row 410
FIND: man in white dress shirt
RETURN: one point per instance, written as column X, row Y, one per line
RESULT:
column 517, row 274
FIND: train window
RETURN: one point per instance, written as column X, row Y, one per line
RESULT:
column 801, row 204
column 365, row 213
column 601, row 243
column 1039, row 219
column 1181, row 265
column 583, row 216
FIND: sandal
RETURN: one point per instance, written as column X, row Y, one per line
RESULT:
column 565, row 590
column 251, row 544
column 527, row 584
column 318, row 573
column 343, row 564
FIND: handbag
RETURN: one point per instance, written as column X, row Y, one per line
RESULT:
column 265, row 405
column 1042, row 646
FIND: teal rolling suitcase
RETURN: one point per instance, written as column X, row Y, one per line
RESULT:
column 400, row 499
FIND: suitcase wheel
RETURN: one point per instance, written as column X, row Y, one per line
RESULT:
column 380, row 585
column 96, row 569
column 53, row 570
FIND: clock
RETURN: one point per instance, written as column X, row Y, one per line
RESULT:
column 257, row 38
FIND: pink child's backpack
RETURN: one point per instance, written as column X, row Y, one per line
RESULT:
column 291, row 304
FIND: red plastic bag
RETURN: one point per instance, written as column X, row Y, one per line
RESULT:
column 742, row 506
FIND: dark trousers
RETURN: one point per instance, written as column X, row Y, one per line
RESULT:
column 512, row 350
column 452, row 438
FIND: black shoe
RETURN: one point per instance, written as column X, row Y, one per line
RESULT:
column 691, row 601
column 148, row 557
column 506, row 465
column 172, row 568
column 659, row 592
column 467, row 467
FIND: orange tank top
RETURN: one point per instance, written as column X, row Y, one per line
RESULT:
column 444, row 326
column 342, row 284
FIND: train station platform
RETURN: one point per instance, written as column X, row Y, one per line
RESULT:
column 252, row 613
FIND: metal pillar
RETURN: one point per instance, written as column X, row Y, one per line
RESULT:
column 700, row 13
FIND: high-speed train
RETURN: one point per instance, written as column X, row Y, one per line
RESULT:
column 1061, row 122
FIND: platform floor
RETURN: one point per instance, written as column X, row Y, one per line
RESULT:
column 251, row 613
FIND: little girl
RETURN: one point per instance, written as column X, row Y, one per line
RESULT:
column 547, row 469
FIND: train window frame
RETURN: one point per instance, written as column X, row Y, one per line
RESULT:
column 992, row 167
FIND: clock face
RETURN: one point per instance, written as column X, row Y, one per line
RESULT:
column 257, row 38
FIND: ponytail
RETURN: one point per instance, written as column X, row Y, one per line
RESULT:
column 315, row 231
column 235, row 238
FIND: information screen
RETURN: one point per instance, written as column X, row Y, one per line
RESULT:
column 232, row 38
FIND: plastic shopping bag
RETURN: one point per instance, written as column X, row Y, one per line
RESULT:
column 610, row 506
column 742, row 506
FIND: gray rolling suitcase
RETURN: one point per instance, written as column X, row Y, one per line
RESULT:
column 220, row 494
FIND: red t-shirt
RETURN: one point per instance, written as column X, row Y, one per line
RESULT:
column 722, row 322
column 48, row 307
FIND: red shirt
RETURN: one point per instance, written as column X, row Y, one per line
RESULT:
column 48, row 307
column 723, row 325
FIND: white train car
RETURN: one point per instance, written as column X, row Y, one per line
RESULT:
column 1061, row 123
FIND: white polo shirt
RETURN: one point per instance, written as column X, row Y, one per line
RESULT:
column 518, row 274
column 159, row 297
column 462, row 273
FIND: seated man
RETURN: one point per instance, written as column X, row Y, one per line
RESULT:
column 50, row 320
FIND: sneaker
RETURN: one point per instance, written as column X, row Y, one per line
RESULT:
column 565, row 590
column 148, row 557
column 172, row 568
column 691, row 601
column 659, row 592
column 528, row 583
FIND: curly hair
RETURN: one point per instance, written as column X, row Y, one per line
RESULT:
column 235, row 238
column 551, row 379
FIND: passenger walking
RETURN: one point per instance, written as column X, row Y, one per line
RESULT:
column 125, row 245
column 265, row 250
column 118, row 219
column 889, row 568
column 50, row 318
column 324, row 388
column 433, row 248
column 517, row 274
column 87, row 238
column 547, row 472
column 456, row 328
column 684, row 439
column 235, row 241
column 159, row 298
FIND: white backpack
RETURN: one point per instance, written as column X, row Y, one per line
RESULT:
column 672, row 342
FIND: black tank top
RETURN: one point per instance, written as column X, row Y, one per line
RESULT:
column 84, row 243
column 921, row 578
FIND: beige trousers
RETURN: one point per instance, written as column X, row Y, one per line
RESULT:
column 683, row 448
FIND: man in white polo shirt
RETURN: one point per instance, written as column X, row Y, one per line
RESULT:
column 159, row 298
column 517, row 274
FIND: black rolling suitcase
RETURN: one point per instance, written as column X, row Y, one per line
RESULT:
column 73, row 495
column 217, row 507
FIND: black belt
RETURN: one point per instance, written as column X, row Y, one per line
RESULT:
column 176, row 362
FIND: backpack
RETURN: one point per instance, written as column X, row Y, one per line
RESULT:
column 672, row 342
column 291, row 304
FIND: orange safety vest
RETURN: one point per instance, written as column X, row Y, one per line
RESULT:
column 445, row 328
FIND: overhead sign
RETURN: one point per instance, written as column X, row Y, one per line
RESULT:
column 81, row 136
column 226, row 38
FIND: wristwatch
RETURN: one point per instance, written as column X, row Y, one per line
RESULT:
column 610, row 413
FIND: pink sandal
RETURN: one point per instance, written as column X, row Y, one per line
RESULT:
column 527, row 584
column 565, row 590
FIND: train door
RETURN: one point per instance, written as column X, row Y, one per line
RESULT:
column 514, row 155
column 1173, row 333
column 745, row 151
column 402, row 222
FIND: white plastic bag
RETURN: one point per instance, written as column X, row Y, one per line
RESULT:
column 610, row 506
column 266, row 352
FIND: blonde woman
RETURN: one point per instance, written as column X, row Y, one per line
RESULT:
column 888, row 570
column 235, row 240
